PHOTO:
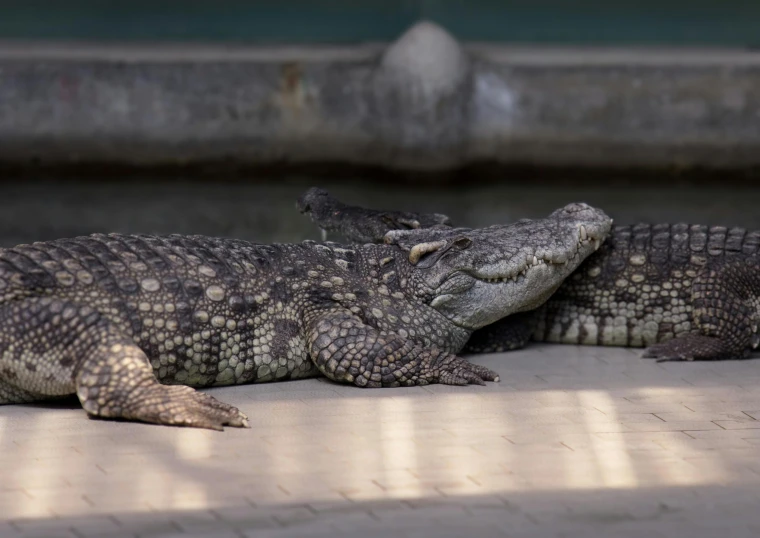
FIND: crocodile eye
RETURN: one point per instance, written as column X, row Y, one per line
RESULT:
column 462, row 242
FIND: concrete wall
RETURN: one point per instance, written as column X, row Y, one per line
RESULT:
column 422, row 102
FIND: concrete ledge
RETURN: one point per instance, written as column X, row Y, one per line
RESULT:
column 422, row 103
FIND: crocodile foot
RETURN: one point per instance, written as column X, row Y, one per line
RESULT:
column 453, row 370
column 692, row 347
column 183, row 406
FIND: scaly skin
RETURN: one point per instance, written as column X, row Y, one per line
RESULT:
column 684, row 292
column 357, row 224
column 119, row 319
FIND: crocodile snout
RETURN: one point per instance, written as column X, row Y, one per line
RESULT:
column 585, row 214
column 577, row 207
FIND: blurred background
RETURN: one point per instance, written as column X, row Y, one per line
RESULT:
column 212, row 117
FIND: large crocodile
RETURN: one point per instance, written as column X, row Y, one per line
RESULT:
column 685, row 292
column 120, row 319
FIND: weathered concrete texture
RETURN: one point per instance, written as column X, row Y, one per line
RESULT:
column 424, row 102
column 421, row 95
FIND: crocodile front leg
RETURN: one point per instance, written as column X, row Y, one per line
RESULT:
column 726, row 302
column 347, row 350
column 54, row 348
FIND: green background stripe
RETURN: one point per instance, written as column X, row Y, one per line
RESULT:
column 341, row 21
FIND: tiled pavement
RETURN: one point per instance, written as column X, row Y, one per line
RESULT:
column 574, row 442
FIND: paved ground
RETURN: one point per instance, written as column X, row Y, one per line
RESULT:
column 574, row 442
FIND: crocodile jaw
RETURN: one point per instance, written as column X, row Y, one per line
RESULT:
column 502, row 289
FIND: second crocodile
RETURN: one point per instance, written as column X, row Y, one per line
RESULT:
column 685, row 292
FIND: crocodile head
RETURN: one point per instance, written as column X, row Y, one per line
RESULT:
column 359, row 224
column 474, row 277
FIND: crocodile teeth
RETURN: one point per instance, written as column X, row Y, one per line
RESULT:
column 584, row 235
column 597, row 244
column 324, row 234
column 535, row 260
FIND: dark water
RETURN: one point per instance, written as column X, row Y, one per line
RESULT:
column 32, row 210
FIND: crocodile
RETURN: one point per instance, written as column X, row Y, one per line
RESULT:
column 683, row 292
column 132, row 324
